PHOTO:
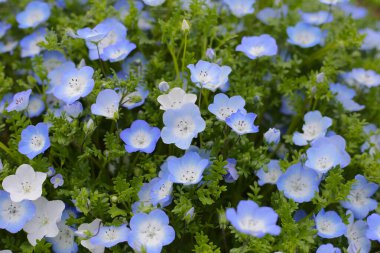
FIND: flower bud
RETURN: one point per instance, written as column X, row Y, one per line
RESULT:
column 185, row 26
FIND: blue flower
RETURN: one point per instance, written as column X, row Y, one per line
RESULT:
column 299, row 183
column 359, row 199
column 272, row 136
column 345, row 95
column 258, row 46
column 14, row 215
column 232, row 174
column 93, row 35
column 55, row 76
column 8, row 47
column 161, row 192
column 34, row 140
column 209, row 75
column 242, row 122
column 51, row 172
column 53, row 59
column 253, row 220
column 123, row 7
column 315, row 126
column 240, row 8
column 224, row 106
column 153, row 3
column 145, row 201
column 187, row 169
column 329, row 224
column 57, row 180
column 373, row 232
column 332, row 2
column 36, row 106
column 327, row 152
column 328, row 248
column 371, row 40
column 6, row 100
column 136, row 98
column 118, row 51
column 110, row 236
column 268, row 14
column 140, row 137
column 35, row 13
column 107, row 104
column 76, row 83
column 29, row 47
column 356, row 235
column 270, row 173
column 4, row 27
column 305, row 35
column 356, row 12
column 366, row 78
column 316, row 18
column 182, row 125
column 150, row 232
column 20, row 101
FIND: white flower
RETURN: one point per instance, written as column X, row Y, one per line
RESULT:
column 87, row 229
column 175, row 99
column 44, row 223
column 25, row 184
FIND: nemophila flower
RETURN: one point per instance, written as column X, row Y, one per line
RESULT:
column 182, row 125
column 267, row 14
column 4, row 27
column 145, row 201
column 359, row 199
column 270, row 173
column 64, row 241
column 328, row 248
column 240, row 8
column 315, row 126
column 153, row 2
column 329, row 224
column 50, row 172
column 327, row 152
column 320, row 77
column 204, row 153
column 232, row 174
column 367, row 78
column 316, row 18
column 272, row 136
column 242, row 122
column 304, row 35
column 90, row 229
column 118, row 51
column 223, row 106
column 20, row 101
column 75, row 84
column 299, row 183
column 36, row 106
column 57, row 180
column 110, row 236
column 187, row 169
column 210, row 53
column 44, row 222
column 35, row 13
column 345, row 95
column 356, row 236
column 150, row 232
column 373, row 232
column 26, row 184
column 73, row 110
column 209, row 75
column 53, row 59
column 95, row 34
column 34, row 140
column 371, row 40
column 14, row 215
column 140, row 137
column 164, row 86
column 123, row 7
column 5, row 100
column 161, row 192
column 175, row 99
column 55, row 75
column 356, row 12
column 107, row 104
column 8, row 47
column 253, row 220
column 258, row 46
column 136, row 98
column 29, row 47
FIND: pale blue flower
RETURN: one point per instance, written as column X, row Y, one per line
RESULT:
column 76, row 83
column 20, row 101
column 14, row 215
column 162, row 187
column 93, row 35
column 240, row 8
column 57, row 180
column 4, row 27
column 35, row 13
column 34, row 140
column 242, row 122
column 258, row 46
column 253, row 220
column 326, row 153
column 328, row 248
column 123, row 7
column 345, row 95
column 28, row 44
column 187, row 169
column 52, row 60
column 305, row 35
column 373, row 232
column 329, row 224
column 354, row 11
column 316, row 18
column 107, row 104
column 153, row 3
column 232, row 174
column 55, row 75
column 140, row 137
column 119, row 51
column 315, row 127
column 136, row 98
column 356, row 235
column 333, row 2
column 366, row 78
column 36, row 106
column 8, row 47
column 270, row 173
column 272, row 136
column 145, row 201
column 182, row 125
column 210, row 53
column 299, row 183
column 267, row 14
column 110, row 236
column 371, row 40
column 223, row 106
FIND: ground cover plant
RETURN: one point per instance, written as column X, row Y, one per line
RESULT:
column 189, row 126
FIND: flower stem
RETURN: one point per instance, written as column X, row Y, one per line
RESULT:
column 100, row 60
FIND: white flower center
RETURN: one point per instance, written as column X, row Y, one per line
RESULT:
column 325, row 226
column 110, row 235
column 324, row 162
column 165, row 189
column 272, row 176
column 184, row 127
column 34, row 17
column 37, row 142
column 26, row 186
column 203, row 76
column 304, row 37
column 311, row 130
column 109, row 40
column 141, row 139
column 75, row 86
column 151, row 234
column 188, row 175
column 256, row 50
column 65, row 236
column 111, row 110
column 19, row 100
column 225, row 112
column 241, row 125
column 34, row 105
column 252, row 225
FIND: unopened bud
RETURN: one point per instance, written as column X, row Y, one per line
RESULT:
column 185, row 26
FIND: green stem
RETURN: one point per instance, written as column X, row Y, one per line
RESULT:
column 100, row 60
column 171, row 51
column 184, row 53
